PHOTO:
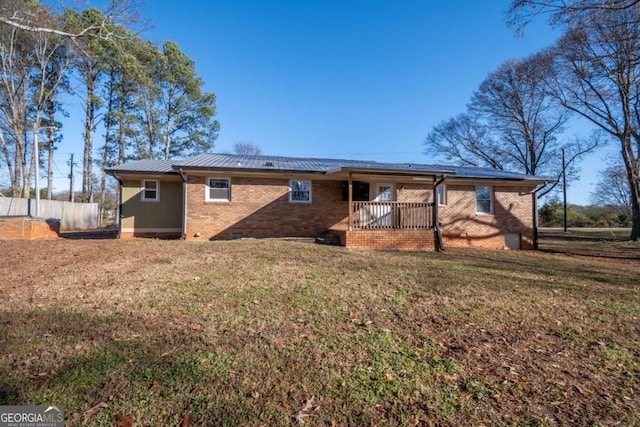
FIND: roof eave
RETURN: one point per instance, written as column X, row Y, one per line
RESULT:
column 511, row 180
column 113, row 172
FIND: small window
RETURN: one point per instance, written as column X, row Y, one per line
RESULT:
column 300, row 191
column 218, row 190
column 150, row 190
column 484, row 200
column 441, row 194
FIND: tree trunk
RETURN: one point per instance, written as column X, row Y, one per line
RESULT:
column 89, row 125
column 51, row 148
column 122, row 143
column 167, row 141
column 16, row 184
column 8, row 160
column 632, row 165
column 25, row 169
column 634, row 185
column 106, row 151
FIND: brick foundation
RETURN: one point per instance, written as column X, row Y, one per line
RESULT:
column 27, row 228
column 390, row 240
column 483, row 241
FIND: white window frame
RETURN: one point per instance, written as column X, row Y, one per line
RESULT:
column 442, row 197
column 207, row 189
column 478, row 211
column 291, row 191
column 143, row 189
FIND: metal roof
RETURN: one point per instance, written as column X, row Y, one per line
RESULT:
column 228, row 162
column 300, row 164
column 148, row 166
column 477, row 172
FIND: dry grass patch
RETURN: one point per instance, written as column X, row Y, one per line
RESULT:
column 277, row 332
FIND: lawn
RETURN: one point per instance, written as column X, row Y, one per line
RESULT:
column 277, row 332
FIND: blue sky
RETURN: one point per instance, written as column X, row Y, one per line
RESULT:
column 342, row 79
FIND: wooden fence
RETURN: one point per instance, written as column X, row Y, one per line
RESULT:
column 72, row 216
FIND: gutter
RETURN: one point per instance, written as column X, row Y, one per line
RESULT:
column 183, row 234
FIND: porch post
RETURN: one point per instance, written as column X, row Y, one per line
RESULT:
column 350, row 201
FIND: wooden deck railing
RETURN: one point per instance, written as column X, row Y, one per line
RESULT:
column 391, row 215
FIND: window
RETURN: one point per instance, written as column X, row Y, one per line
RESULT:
column 300, row 191
column 218, row 190
column 484, row 200
column 441, row 194
column 150, row 190
column 360, row 191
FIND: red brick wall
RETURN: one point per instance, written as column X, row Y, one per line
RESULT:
column 396, row 240
column 414, row 192
column 512, row 214
column 260, row 207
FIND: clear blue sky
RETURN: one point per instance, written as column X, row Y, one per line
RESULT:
column 362, row 79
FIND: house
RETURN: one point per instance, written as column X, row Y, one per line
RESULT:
column 360, row 204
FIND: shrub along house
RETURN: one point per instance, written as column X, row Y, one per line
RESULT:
column 360, row 204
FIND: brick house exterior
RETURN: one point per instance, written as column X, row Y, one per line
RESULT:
column 361, row 205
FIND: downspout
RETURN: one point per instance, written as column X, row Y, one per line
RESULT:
column 183, row 235
column 436, row 219
column 535, row 216
column 350, row 226
column 115, row 175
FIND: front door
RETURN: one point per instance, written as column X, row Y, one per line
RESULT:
column 382, row 213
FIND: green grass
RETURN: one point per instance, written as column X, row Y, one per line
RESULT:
column 270, row 332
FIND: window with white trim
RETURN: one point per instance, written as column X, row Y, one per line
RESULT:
column 441, row 194
column 150, row 190
column 218, row 190
column 484, row 199
column 299, row 191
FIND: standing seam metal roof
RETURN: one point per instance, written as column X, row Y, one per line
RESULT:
column 310, row 165
column 144, row 166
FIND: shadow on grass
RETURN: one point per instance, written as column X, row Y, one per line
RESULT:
column 106, row 234
column 596, row 244
column 115, row 365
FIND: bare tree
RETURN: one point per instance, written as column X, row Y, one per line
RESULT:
column 613, row 188
column 28, row 85
column 560, row 12
column 246, row 148
column 114, row 11
column 597, row 66
column 512, row 123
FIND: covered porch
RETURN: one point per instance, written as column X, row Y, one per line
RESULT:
column 398, row 213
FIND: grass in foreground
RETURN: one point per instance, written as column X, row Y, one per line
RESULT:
column 271, row 332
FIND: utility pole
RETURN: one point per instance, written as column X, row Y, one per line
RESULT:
column 71, row 193
column 36, row 173
column 564, row 191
